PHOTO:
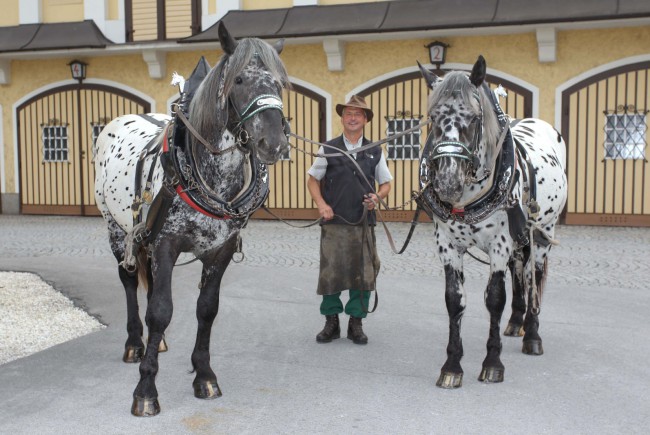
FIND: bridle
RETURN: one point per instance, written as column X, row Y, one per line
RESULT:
column 257, row 105
column 461, row 150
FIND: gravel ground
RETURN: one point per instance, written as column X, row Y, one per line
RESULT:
column 34, row 316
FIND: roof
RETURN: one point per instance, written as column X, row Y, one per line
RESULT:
column 416, row 15
column 52, row 36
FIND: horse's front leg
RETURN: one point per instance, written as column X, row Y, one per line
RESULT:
column 207, row 306
column 495, row 301
column 451, row 374
column 159, row 314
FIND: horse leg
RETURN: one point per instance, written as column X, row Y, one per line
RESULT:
column 207, row 306
column 451, row 374
column 133, row 348
column 495, row 301
column 515, row 326
column 159, row 314
column 532, row 341
column 162, row 347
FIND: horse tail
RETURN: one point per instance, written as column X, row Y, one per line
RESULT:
column 143, row 265
column 542, row 282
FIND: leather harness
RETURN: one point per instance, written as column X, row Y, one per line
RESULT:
column 499, row 194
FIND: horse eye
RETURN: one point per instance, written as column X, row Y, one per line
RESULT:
column 239, row 80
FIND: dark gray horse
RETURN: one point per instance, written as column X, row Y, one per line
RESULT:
column 207, row 176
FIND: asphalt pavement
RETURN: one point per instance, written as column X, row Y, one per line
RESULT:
column 594, row 377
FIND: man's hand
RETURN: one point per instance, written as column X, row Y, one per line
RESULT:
column 325, row 211
column 370, row 200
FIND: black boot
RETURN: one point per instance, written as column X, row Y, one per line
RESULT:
column 355, row 331
column 331, row 330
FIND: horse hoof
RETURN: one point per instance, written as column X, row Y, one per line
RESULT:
column 145, row 407
column 206, row 390
column 450, row 380
column 514, row 330
column 133, row 354
column 533, row 347
column 162, row 346
column 491, row 375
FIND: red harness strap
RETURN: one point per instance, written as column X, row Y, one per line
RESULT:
column 184, row 196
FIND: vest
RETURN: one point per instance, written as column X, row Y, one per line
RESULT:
column 343, row 188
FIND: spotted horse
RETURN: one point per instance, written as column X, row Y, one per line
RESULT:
column 188, row 183
column 498, row 186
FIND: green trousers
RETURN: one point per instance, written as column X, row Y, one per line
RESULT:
column 332, row 304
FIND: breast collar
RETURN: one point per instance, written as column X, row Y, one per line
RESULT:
column 190, row 187
column 182, row 173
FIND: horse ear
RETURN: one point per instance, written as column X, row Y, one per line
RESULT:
column 478, row 72
column 429, row 77
column 228, row 43
column 279, row 45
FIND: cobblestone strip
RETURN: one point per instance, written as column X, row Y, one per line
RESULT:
column 586, row 256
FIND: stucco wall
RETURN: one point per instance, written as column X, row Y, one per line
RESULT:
column 517, row 55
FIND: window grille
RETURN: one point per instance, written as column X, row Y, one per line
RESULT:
column 406, row 147
column 96, row 128
column 55, row 141
column 625, row 133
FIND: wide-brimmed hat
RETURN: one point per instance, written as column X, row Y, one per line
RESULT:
column 358, row 102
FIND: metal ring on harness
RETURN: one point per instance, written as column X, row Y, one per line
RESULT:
column 243, row 136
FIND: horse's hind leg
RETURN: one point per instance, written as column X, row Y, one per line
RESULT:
column 515, row 326
column 133, row 348
column 532, row 344
column 207, row 306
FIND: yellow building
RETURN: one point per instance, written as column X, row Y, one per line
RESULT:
column 581, row 65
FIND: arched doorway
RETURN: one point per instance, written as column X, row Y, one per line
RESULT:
column 605, row 126
column 56, row 130
column 288, row 196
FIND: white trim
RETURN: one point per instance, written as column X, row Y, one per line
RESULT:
column 96, row 10
column 45, row 88
column 305, row 2
column 546, row 44
column 3, row 185
column 585, row 75
column 224, row 6
column 30, row 11
column 156, row 61
column 5, row 71
column 453, row 66
column 328, row 102
column 335, row 52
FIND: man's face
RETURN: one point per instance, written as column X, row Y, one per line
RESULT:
column 353, row 120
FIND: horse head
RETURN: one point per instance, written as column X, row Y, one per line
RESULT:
column 243, row 95
column 457, row 136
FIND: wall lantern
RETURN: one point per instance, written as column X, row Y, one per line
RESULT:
column 437, row 53
column 78, row 70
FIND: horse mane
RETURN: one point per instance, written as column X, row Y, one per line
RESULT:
column 456, row 84
column 203, row 109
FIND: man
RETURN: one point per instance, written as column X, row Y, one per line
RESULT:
column 348, row 257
